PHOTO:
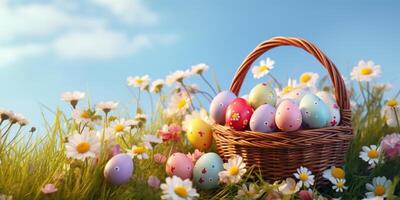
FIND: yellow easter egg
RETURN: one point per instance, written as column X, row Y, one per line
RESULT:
column 199, row 134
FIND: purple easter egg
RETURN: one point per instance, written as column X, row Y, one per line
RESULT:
column 119, row 169
column 263, row 119
column 219, row 104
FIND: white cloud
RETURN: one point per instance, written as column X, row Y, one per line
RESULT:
column 100, row 43
column 11, row 54
column 130, row 11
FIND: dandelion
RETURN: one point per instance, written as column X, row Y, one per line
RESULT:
column 177, row 189
column 49, row 188
column 81, row 146
column 338, row 185
column 157, row 85
column 72, row 97
column 138, row 151
column 159, row 158
column 333, row 173
column 379, row 187
column 149, row 140
column 309, row 79
column 288, row 187
column 141, row 82
column 391, row 145
column 177, row 76
column 234, row 170
column 119, row 126
column 370, row 154
column 305, row 177
column 199, row 68
column 365, row 71
column 107, row 106
column 252, row 192
column 196, row 114
column 263, row 69
column 153, row 182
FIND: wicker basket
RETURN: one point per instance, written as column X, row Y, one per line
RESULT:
column 279, row 154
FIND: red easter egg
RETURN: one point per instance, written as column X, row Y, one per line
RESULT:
column 238, row 114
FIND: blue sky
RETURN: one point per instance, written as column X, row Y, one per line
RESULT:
column 48, row 47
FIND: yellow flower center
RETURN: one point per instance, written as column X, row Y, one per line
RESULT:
column 234, row 171
column 303, row 177
column 340, row 184
column 119, row 127
column 287, row 89
column 83, row 147
column 366, row 70
column 304, row 78
column 181, row 191
column 138, row 150
column 338, row 173
column 85, row 115
column 373, row 154
column 392, row 103
column 263, row 68
column 139, row 81
column 379, row 190
column 182, row 103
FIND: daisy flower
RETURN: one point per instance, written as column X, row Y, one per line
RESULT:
column 177, row 77
column 309, row 79
column 49, row 188
column 5, row 114
column 263, row 69
column 234, row 170
column 338, row 185
column 291, row 85
column 138, row 151
column 365, row 71
column 199, row 68
column 333, row 173
column 373, row 198
column 157, row 85
column 107, row 106
column 306, row 179
column 81, row 146
column 177, row 189
column 289, row 187
column 179, row 104
column 391, row 113
column 72, row 97
column 20, row 119
column 119, row 126
column 141, row 82
column 82, row 115
column 379, row 187
column 149, row 140
column 201, row 114
column 370, row 154
column 252, row 192
column 132, row 123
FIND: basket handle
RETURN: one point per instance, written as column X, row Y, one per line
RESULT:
column 337, row 80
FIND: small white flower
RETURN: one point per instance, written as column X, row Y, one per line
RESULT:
column 291, row 85
column 202, row 114
column 252, row 192
column 81, row 146
column 157, row 85
column 72, row 97
column 309, row 79
column 148, row 140
column 373, row 198
column 289, row 187
column 370, row 154
column 177, row 76
column 138, row 151
column 20, row 119
column 82, row 115
column 379, row 187
column 199, row 68
column 177, row 189
column 141, row 82
column 234, row 170
column 132, row 123
column 305, row 177
column 338, row 185
column 141, row 117
column 391, row 113
column 365, row 71
column 179, row 104
column 119, row 126
column 333, row 173
column 5, row 114
column 107, row 106
column 263, row 69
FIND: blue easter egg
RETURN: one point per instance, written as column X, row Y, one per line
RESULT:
column 205, row 171
column 119, row 169
column 314, row 111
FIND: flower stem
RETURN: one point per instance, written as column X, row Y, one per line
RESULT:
column 187, row 92
column 275, row 80
column 208, row 83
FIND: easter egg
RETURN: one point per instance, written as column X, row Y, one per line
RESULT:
column 261, row 94
column 314, row 111
column 119, row 169
column 180, row 165
column 199, row 134
column 219, row 104
column 263, row 119
column 296, row 95
column 328, row 99
column 288, row 116
column 238, row 114
column 205, row 171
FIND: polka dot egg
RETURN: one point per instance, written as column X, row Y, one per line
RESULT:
column 263, row 119
column 288, row 116
column 180, row 165
column 205, row 171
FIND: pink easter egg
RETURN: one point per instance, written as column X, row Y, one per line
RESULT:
column 288, row 116
column 180, row 165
